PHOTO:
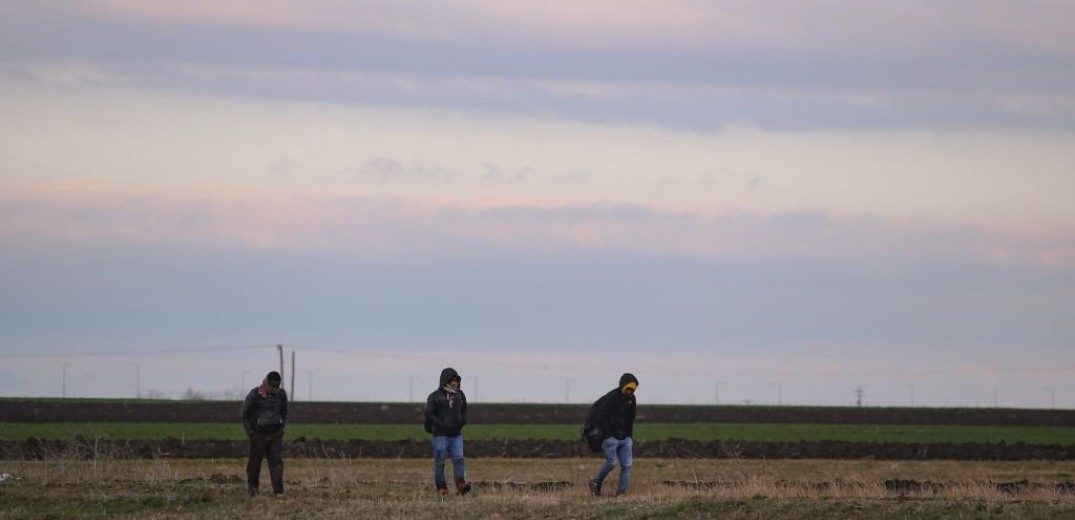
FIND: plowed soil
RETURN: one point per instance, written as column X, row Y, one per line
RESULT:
column 24, row 410
column 73, row 410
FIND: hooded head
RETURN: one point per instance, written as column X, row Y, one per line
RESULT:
column 628, row 381
column 447, row 375
column 271, row 383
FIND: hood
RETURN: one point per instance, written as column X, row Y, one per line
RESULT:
column 628, row 378
column 448, row 374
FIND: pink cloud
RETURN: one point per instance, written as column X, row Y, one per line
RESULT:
column 83, row 214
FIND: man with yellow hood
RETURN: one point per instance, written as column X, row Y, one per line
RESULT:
column 616, row 418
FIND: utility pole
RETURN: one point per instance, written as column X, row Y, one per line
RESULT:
column 137, row 380
column 64, row 391
column 716, row 392
column 859, row 393
column 911, row 388
column 281, row 349
column 779, row 397
column 410, row 388
column 293, row 370
column 567, row 391
column 475, row 378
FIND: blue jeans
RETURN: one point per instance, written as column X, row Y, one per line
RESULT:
column 448, row 447
column 615, row 449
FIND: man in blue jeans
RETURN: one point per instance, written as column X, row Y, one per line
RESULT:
column 446, row 414
column 616, row 418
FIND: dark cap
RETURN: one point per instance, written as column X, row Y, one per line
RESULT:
column 273, row 376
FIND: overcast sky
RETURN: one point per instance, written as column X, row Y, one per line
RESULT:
column 760, row 202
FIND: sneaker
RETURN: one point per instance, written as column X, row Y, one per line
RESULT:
column 595, row 487
column 462, row 488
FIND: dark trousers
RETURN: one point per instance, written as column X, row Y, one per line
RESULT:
column 270, row 446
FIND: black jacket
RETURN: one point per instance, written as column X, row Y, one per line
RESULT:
column 616, row 411
column 446, row 413
column 264, row 414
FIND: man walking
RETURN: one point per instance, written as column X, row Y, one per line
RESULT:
column 264, row 417
column 616, row 419
column 446, row 414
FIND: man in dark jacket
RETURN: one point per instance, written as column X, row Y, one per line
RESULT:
column 616, row 418
column 264, row 418
column 446, row 414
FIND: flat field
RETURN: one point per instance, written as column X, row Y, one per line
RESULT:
column 34, row 429
column 542, row 488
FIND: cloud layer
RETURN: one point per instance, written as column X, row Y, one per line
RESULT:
column 813, row 192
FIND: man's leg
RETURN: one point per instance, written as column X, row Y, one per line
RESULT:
column 253, row 463
column 608, row 446
column 459, row 467
column 626, row 456
column 440, row 451
column 275, row 453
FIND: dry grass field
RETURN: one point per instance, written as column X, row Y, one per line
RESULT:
column 542, row 488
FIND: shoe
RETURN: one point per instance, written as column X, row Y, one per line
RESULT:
column 442, row 491
column 252, row 490
column 462, row 488
column 595, row 488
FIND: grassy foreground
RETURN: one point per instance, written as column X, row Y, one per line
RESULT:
column 527, row 488
column 689, row 431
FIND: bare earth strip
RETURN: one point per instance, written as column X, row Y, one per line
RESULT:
column 102, row 410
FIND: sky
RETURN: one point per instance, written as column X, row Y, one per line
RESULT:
column 772, row 202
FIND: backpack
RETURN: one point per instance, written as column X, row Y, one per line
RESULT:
column 591, row 432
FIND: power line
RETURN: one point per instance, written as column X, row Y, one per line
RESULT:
column 109, row 353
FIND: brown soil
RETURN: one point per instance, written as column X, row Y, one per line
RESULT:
column 74, row 410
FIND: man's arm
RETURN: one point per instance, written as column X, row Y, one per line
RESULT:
column 431, row 411
column 283, row 409
column 248, row 405
column 603, row 417
column 463, row 407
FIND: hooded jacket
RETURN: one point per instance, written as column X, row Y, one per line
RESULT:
column 264, row 412
column 446, row 412
column 616, row 411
